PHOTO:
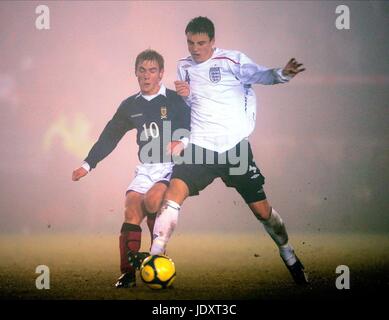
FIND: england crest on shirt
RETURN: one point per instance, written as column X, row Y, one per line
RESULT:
column 214, row 74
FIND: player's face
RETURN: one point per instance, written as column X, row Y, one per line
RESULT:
column 149, row 76
column 200, row 46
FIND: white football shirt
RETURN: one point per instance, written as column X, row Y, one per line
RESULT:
column 223, row 104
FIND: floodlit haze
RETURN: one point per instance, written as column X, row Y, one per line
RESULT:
column 321, row 141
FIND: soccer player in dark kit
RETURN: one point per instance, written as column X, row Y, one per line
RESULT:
column 158, row 114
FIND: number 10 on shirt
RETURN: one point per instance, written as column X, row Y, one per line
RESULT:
column 153, row 130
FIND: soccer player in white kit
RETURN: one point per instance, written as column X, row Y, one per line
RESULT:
column 150, row 111
column 217, row 85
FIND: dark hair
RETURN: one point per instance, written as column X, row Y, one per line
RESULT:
column 149, row 55
column 201, row 25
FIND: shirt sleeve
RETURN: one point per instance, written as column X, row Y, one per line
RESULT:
column 86, row 166
column 110, row 137
column 249, row 72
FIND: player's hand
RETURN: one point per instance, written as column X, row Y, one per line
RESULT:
column 292, row 68
column 79, row 173
column 182, row 88
column 174, row 148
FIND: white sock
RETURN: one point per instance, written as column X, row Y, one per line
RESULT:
column 287, row 254
column 165, row 224
column 275, row 228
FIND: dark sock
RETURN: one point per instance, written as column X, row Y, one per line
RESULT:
column 129, row 240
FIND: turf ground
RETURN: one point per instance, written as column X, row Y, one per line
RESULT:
column 209, row 266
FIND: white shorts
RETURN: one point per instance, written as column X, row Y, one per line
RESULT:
column 147, row 174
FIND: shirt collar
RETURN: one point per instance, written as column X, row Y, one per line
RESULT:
column 162, row 91
column 214, row 51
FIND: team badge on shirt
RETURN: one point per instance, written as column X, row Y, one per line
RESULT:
column 163, row 113
column 214, row 74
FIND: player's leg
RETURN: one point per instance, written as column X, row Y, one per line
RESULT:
column 275, row 227
column 167, row 218
column 159, row 175
column 130, row 237
column 165, row 222
column 187, row 180
column 271, row 220
column 152, row 203
column 250, row 187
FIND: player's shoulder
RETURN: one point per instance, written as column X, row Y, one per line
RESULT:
column 232, row 56
column 128, row 103
column 185, row 62
column 187, row 59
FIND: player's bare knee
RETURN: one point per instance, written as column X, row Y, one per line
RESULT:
column 265, row 213
column 178, row 191
column 153, row 198
column 152, row 203
column 261, row 209
column 128, row 212
column 131, row 215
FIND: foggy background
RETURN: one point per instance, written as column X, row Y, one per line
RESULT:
column 321, row 141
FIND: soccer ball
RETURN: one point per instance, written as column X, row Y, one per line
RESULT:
column 158, row 271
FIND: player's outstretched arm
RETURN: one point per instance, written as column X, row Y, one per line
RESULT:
column 292, row 68
column 79, row 173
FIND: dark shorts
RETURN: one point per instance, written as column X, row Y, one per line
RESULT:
column 197, row 176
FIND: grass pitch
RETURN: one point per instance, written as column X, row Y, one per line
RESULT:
column 209, row 266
